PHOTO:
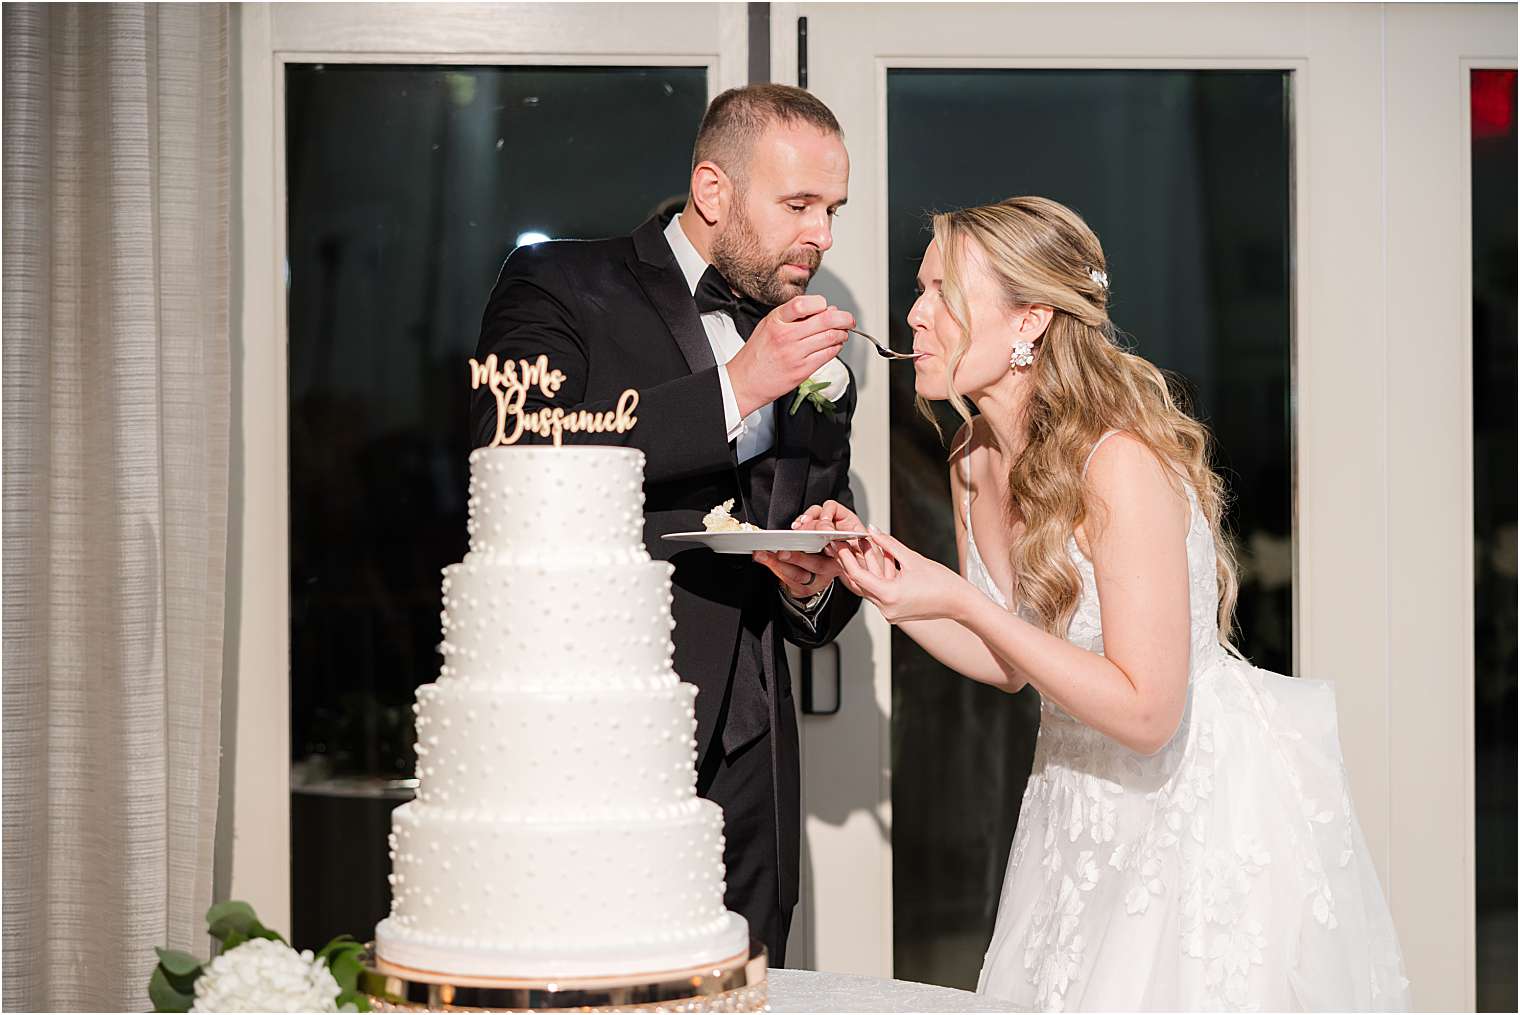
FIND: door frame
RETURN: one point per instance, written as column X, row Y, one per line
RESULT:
column 1383, row 550
column 253, row 825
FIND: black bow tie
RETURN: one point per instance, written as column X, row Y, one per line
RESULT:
column 715, row 294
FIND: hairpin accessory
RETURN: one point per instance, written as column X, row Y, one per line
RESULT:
column 1098, row 276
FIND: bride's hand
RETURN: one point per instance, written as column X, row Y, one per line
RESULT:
column 830, row 516
column 902, row 583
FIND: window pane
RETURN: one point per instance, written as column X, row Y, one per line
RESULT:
column 407, row 188
column 1494, row 365
column 1184, row 175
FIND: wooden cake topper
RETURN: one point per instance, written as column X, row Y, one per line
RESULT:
column 511, row 384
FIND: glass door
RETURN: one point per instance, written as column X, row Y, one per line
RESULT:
column 1493, row 140
column 1195, row 219
column 407, row 186
column 1230, row 159
column 413, row 147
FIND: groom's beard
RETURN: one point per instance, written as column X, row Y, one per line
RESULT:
column 754, row 272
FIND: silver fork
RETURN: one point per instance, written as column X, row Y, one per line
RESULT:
column 882, row 350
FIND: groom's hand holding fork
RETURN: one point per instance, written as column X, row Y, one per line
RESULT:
column 787, row 347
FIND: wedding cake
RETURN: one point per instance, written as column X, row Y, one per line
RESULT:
column 556, row 830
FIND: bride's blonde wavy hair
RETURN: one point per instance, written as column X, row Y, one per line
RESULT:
column 1082, row 385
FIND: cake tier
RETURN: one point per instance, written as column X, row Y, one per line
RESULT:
column 557, row 754
column 530, row 625
column 482, row 893
column 558, row 504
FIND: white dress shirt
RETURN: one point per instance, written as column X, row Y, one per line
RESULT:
column 756, row 432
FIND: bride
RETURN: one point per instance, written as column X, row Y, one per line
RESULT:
column 1186, row 839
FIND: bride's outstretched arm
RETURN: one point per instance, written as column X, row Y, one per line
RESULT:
column 944, row 639
column 954, row 645
column 1136, row 691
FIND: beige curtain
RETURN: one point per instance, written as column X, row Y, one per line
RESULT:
column 115, row 414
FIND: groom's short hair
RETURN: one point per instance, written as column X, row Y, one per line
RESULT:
column 738, row 117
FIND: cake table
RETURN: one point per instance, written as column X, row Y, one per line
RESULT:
column 798, row 990
column 733, row 985
column 736, row 986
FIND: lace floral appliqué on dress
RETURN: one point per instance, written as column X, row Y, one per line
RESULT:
column 1225, row 872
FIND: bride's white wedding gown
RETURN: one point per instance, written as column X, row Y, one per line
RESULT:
column 1227, row 871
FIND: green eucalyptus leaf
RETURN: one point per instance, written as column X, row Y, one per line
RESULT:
column 345, row 969
column 342, row 955
column 178, row 972
column 225, row 918
column 231, row 909
column 338, row 944
column 178, row 964
column 822, row 404
column 165, row 996
column 231, row 916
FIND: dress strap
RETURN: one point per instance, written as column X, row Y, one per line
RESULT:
column 966, row 483
column 1094, row 450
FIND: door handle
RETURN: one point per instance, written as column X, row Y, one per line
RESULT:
column 820, row 679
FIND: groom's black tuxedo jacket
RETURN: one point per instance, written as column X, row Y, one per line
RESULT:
column 616, row 314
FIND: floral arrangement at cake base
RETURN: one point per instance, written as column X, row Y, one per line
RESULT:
column 255, row 970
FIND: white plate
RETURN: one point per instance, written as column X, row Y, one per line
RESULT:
column 800, row 540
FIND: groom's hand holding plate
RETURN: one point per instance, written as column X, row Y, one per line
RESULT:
column 806, row 573
column 795, row 556
column 801, row 574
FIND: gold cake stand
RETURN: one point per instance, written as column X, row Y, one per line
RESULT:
column 736, row 984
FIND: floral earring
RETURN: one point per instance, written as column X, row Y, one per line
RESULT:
column 1022, row 355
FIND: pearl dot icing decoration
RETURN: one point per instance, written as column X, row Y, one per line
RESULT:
column 556, row 830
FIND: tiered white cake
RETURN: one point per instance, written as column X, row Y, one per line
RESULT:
column 556, row 830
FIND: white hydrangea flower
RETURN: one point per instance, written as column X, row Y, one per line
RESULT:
column 262, row 975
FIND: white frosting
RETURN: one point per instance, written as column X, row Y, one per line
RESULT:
column 556, row 830
column 725, row 938
column 560, row 625
column 469, row 877
column 556, row 755
column 558, row 505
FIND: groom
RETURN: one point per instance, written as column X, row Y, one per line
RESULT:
column 707, row 318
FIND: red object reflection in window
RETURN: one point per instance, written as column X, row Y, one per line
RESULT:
column 1493, row 103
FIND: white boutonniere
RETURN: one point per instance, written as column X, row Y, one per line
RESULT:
column 824, row 389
